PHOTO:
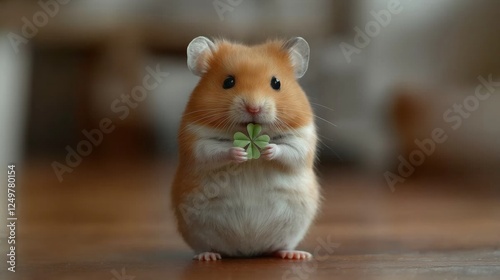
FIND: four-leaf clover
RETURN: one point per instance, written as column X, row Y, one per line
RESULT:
column 253, row 140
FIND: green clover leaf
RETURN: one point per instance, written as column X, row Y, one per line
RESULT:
column 253, row 141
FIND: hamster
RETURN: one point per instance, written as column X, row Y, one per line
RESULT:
column 226, row 204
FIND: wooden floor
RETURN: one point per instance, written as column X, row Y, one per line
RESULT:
column 112, row 221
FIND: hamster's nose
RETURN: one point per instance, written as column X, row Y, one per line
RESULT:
column 254, row 110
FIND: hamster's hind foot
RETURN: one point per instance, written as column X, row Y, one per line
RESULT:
column 293, row 255
column 207, row 256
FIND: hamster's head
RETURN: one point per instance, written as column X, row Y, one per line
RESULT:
column 249, row 84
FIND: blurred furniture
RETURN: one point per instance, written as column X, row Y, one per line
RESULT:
column 91, row 52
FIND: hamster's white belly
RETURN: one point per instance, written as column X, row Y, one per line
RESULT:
column 248, row 210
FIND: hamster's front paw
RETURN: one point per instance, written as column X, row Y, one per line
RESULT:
column 270, row 151
column 238, row 155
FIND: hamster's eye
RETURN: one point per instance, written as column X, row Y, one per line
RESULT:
column 229, row 82
column 275, row 83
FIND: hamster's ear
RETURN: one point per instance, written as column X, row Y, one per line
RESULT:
column 198, row 52
column 298, row 48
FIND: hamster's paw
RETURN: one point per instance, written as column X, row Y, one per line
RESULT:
column 207, row 256
column 270, row 151
column 238, row 155
column 293, row 255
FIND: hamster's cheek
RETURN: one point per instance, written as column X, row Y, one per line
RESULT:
column 237, row 112
column 269, row 114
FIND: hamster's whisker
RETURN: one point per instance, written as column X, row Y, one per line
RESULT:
column 202, row 121
column 280, row 126
column 320, row 139
column 284, row 125
column 309, row 114
column 206, row 117
column 222, row 123
column 199, row 111
column 322, row 106
column 232, row 125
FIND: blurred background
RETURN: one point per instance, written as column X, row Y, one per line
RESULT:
column 382, row 75
column 63, row 65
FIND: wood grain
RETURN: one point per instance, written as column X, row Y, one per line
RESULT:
column 105, row 217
